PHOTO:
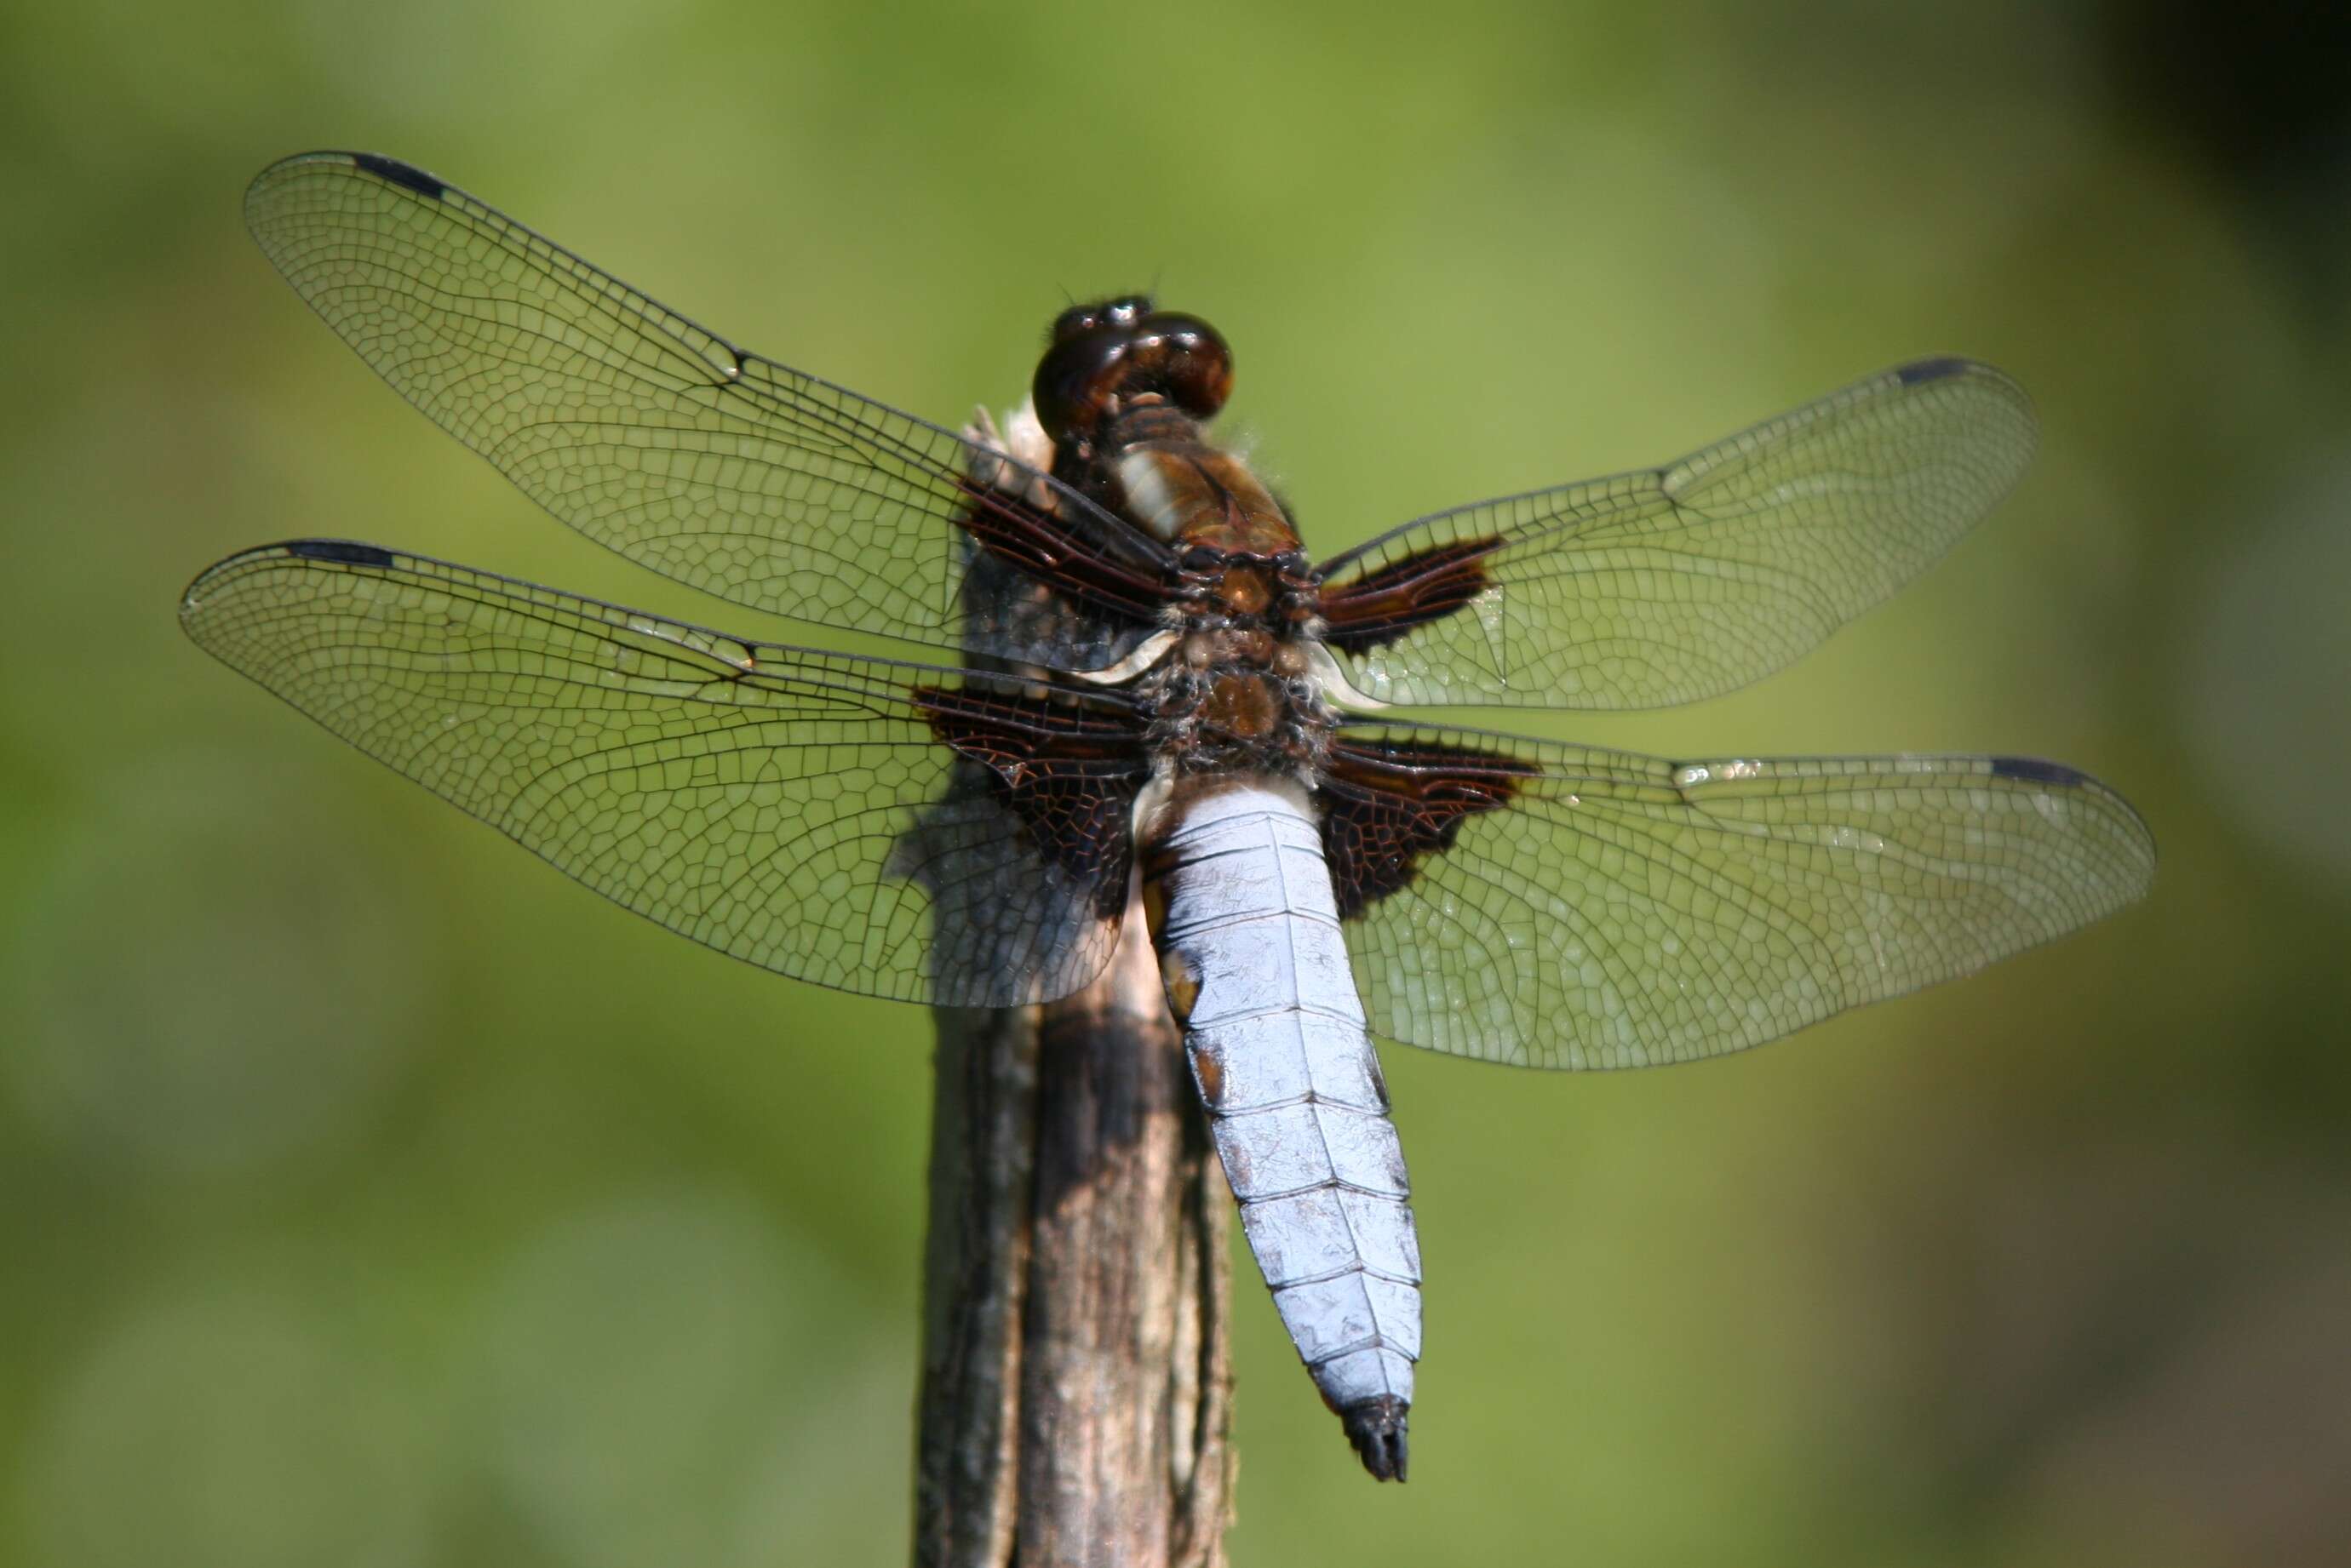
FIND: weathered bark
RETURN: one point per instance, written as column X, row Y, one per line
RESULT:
column 1076, row 1381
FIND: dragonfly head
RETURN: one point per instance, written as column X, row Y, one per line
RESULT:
column 1109, row 357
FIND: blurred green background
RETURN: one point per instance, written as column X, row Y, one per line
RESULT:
column 369, row 1195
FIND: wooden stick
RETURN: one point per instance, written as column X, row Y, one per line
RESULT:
column 1077, row 1385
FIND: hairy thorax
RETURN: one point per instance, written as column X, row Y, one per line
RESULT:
column 1236, row 692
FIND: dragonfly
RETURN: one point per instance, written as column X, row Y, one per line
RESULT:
column 1152, row 699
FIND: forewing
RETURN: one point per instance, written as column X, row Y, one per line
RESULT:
column 654, row 436
column 896, row 830
column 1672, row 584
column 1558, row 905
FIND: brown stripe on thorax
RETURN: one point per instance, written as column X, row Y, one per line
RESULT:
column 1192, row 494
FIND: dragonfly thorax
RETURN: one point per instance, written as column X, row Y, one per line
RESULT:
column 1230, row 699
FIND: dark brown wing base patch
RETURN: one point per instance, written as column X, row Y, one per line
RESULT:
column 1122, row 576
column 1069, row 776
column 1383, row 605
column 1385, row 804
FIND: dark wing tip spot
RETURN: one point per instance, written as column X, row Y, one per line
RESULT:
column 405, row 175
column 341, row 550
column 2038, row 772
column 1941, row 368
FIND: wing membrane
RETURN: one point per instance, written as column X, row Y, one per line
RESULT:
column 923, row 834
column 1677, row 583
column 1576, row 908
column 654, row 436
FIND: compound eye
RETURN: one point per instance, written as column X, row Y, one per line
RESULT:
column 1077, row 376
column 1119, row 349
column 1186, row 358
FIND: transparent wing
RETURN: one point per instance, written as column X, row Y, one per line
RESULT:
column 900, row 831
column 654, row 436
column 1559, row 906
column 1682, row 582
